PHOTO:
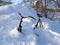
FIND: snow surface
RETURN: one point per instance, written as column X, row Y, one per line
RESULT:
column 49, row 34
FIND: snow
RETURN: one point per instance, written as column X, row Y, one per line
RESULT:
column 14, row 33
column 49, row 34
column 26, row 20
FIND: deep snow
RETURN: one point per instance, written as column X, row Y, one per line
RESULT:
column 9, row 21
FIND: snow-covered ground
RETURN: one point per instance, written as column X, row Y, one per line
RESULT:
column 49, row 34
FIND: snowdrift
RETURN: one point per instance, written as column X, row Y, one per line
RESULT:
column 49, row 34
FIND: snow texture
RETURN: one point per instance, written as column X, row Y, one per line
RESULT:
column 49, row 34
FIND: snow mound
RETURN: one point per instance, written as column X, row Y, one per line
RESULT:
column 14, row 33
column 46, row 35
